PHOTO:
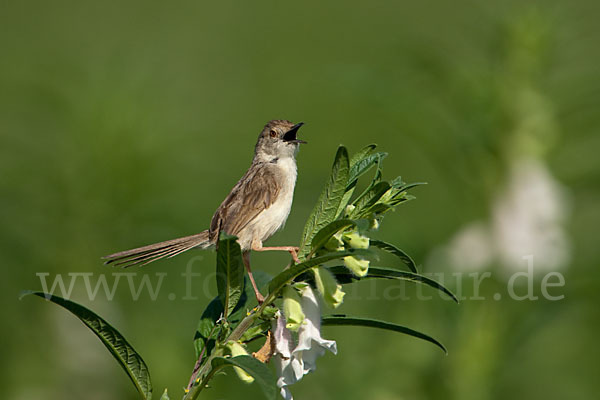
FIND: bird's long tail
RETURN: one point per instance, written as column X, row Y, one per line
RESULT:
column 147, row 254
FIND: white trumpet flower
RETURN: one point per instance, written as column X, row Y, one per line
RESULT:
column 293, row 360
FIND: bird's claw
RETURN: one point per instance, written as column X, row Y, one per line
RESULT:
column 294, row 253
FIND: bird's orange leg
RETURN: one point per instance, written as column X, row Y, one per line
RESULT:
column 246, row 258
column 290, row 249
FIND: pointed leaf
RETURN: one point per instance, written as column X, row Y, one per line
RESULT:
column 359, row 164
column 407, row 186
column 339, row 320
column 344, row 276
column 230, row 272
column 377, row 209
column 165, row 396
column 259, row 371
column 362, row 153
column 121, row 350
column 327, row 206
column 204, row 339
column 344, row 202
column 255, row 332
column 397, row 182
column 369, row 199
column 390, row 248
column 403, row 198
column 362, row 166
column 376, row 179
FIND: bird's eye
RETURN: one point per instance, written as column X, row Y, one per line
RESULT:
column 273, row 133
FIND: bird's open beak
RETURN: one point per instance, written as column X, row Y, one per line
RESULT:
column 290, row 136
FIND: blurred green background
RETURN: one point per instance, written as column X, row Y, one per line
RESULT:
column 126, row 123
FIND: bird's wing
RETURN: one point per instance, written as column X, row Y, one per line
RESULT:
column 255, row 192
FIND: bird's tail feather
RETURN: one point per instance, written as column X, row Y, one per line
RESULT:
column 147, row 254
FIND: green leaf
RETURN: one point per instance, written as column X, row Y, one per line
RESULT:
column 402, row 198
column 376, row 179
column 397, row 182
column 328, row 204
column 165, row 396
column 121, row 350
column 205, row 331
column 377, row 209
column 406, row 186
column 344, row 202
column 328, row 231
column 390, row 248
column 230, row 272
column 369, row 198
column 259, row 371
column 339, row 320
column 359, row 168
column 289, row 274
column 344, row 276
column 256, row 331
column 360, row 163
column 362, row 154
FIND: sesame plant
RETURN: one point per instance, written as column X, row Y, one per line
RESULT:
column 335, row 250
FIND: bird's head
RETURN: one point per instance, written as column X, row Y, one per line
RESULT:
column 278, row 139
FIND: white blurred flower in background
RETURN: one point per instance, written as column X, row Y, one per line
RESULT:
column 527, row 219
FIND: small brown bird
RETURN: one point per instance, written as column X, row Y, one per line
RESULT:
column 257, row 206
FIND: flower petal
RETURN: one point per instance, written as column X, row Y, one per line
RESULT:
column 282, row 336
column 292, row 365
column 309, row 334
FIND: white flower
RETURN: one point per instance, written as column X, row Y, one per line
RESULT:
column 295, row 361
column 527, row 219
column 288, row 368
column 310, row 332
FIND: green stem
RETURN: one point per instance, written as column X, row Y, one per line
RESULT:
column 206, row 372
column 198, row 388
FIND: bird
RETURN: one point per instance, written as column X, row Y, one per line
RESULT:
column 257, row 206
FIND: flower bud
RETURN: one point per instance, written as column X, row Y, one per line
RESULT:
column 328, row 287
column 356, row 241
column 374, row 224
column 237, row 349
column 358, row 267
column 292, row 308
column 349, row 209
column 335, row 243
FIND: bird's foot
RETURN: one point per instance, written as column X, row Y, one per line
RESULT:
column 294, row 253
column 259, row 297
